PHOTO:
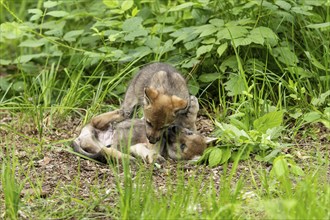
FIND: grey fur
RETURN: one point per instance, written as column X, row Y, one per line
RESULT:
column 160, row 76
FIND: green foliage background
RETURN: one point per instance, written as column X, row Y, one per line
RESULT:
column 236, row 45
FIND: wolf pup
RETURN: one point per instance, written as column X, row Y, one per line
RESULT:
column 163, row 93
column 117, row 141
column 130, row 136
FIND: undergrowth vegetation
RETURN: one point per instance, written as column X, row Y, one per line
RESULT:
column 260, row 69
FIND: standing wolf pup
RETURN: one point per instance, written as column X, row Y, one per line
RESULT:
column 164, row 95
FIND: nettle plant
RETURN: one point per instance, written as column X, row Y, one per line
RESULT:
column 237, row 141
column 238, row 44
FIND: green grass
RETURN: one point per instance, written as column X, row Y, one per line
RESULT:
column 260, row 70
column 249, row 193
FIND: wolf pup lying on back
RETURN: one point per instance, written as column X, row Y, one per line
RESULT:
column 130, row 136
column 163, row 93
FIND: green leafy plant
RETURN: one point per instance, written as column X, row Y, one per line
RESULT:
column 261, row 140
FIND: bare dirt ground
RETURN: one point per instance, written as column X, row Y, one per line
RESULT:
column 57, row 167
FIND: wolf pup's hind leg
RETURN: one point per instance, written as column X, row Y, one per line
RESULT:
column 103, row 121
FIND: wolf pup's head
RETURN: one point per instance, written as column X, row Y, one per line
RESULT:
column 159, row 112
column 183, row 144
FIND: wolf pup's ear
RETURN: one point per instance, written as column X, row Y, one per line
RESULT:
column 210, row 140
column 150, row 95
column 178, row 103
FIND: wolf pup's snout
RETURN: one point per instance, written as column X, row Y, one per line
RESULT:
column 153, row 140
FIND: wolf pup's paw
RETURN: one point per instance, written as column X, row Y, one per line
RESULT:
column 191, row 115
column 193, row 109
column 99, row 123
column 188, row 119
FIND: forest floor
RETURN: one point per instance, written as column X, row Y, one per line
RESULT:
column 52, row 166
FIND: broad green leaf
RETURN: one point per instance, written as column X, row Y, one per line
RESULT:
column 232, row 131
column 72, row 35
column 135, row 11
column 321, row 25
column 192, row 44
column 296, row 114
column 242, row 41
column 237, row 123
column 303, row 73
column 321, row 99
column 230, row 62
column 116, row 35
column 4, row 62
column 312, row 117
column 263, row 32
column 35, row 11
column 193, row 87
column 232, row 32
column 32, row 43
column 50, row 4
column 168, row 46
column 209, row 41
column 209, row 77
column 57, row 14
column 304, row 10
column 206, row 30
column 134, row 28
column 280, row 167
column 275, row 132
column 190, row 63
column 226, row 154
column 222, row 48
column 283, row 4
column 18, row 86
column 135, row 53
column 182, row 6
column 217, row 22
column 10, row 30
column 203, row 49
column 27, row 58
column 127, row 4
column 205, row 155
column 286, row 56
column 53, row 25
column 296, row 170
column 111, row 3
column 215, row 157
column 257, row 39
column 4, row 84
column 137, row 33
column 184, row 34
column 35, row 17
column 132, row 24
column 153, row 42
column 326, row 122
column 235, row 85
column 268, row 121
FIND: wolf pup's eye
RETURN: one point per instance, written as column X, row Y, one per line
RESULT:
column 182, row 147
column 149, row 124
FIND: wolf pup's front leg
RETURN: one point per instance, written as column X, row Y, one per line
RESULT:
column 188, row 120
